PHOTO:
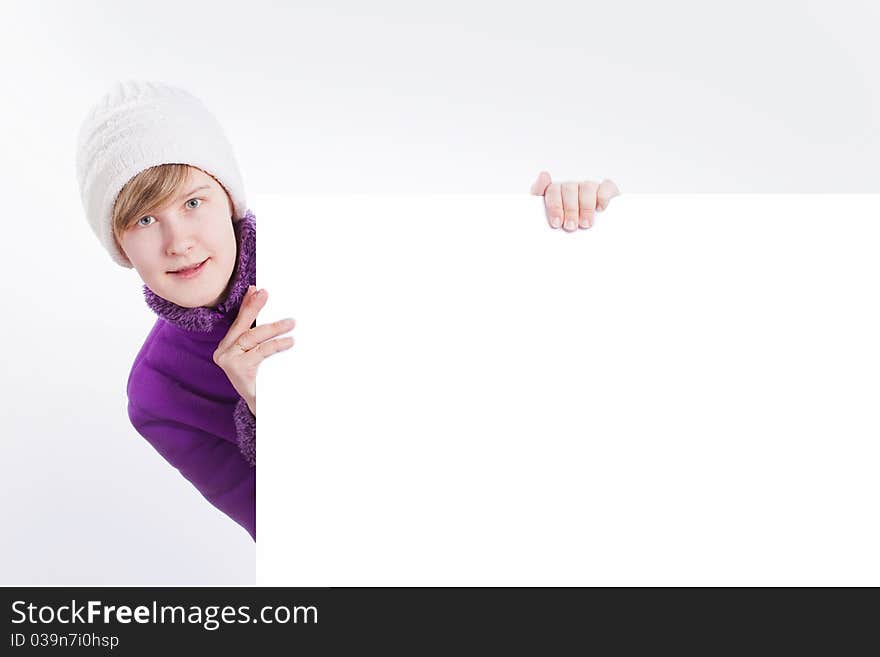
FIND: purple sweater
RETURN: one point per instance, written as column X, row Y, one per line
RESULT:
column 183, row 403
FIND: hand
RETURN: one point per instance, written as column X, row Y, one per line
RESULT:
column 242, row 349
column 573, row 205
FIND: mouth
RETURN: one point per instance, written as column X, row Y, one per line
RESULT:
column 191, row 271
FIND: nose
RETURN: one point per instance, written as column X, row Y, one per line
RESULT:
column 179, row 238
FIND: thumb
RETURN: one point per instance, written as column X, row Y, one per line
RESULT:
column 541, row 183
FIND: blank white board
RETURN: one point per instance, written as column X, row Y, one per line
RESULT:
column 685, row 394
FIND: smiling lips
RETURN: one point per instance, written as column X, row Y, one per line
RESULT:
column 190, row 272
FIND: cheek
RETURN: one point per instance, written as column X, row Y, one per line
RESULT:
column 137, row 258
column 139, row 251
column 229, row 262
column 149, row 275
column 148, row 267
column 228, row 250
column 145, row 263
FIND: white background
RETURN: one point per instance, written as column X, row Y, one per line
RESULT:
column 344, row 97
column 686, row 394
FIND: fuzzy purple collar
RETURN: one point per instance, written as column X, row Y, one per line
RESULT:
column 204, row 319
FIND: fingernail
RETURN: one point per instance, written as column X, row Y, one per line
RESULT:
column 556, row 222
column 569, row 224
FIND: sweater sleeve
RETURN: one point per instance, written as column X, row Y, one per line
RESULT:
column 246, row 428
column 212, row 464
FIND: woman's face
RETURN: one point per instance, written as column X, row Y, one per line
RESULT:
column 195, row 229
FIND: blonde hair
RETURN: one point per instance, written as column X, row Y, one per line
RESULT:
column 152, row 188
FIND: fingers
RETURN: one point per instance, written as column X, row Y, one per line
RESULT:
column 265, row 349
column 255, row 336
column 570, row 206
column 574, row 205
column 587, row 202
column 553, row 205
column 540, row 185
column 253, row 301
column 607, row 190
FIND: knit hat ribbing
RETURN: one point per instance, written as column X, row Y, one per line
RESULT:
column 141, row 124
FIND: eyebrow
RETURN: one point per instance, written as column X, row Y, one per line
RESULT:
column 193, row 191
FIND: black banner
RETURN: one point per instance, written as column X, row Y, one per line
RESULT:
column 123, row 620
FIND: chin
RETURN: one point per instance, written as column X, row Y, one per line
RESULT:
column 193, row 298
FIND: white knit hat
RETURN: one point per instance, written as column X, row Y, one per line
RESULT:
column 140, row 124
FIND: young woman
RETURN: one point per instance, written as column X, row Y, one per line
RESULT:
column 163, row 193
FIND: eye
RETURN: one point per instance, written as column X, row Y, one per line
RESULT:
column 140, row 222
column 195, row 206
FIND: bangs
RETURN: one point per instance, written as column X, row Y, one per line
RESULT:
column 150, row 189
